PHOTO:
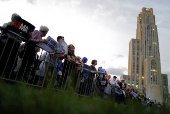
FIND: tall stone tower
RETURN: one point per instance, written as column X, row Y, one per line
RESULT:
column 144, row 67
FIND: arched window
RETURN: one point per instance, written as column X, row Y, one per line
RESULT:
column 148, row 19
column 153, row 72
column 153, row 64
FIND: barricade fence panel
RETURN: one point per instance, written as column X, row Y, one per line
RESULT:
column 24, row 62
column 19, row 62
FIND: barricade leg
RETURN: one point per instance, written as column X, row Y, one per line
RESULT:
column 73, row 76
column 77, row 87
column 70, row 80
column 82, row 87
column 3, row 53
column 27, row 61
column 8, row 58
column 40, row 71
column 64, row 76
column 48, row 75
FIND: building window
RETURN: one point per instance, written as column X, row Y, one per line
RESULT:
column 136, row 86
column 142, row 82
column 164, row 82
column 153, row 72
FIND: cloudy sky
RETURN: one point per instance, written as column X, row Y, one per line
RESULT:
column 99, row 29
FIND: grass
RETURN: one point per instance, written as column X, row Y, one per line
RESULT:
column 21, row 99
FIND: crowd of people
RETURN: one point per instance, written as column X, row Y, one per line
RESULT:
column 118, row 89
column 21, row 61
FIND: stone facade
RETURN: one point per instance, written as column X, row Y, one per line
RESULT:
column 144, row 67
column 165, row 88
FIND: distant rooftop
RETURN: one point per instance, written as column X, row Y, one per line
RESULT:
column 147, row 9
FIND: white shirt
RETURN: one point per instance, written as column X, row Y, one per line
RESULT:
column 113, row 82
column 50, row 58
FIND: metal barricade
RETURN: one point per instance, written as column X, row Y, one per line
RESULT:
column 9, row 45
column 16, row 64
column 75, row 79
column 19, row 62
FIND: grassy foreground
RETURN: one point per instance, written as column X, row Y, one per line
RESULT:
column 20, row 99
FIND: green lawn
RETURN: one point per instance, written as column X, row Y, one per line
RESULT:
column 20, row 99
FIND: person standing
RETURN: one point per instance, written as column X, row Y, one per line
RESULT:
column 123, row 87
column 107, row 89
column 30, row 49
column 155, row 102
column 68, row 70
column 90, row 79
column 113, row 84
column 118, row 93
column 122, row 84
column 48, row 65
column 8, row 49
column 82, row 77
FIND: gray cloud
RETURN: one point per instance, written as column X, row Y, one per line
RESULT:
column 4, row 0
column 118, row 56
column 33, row 2
column 103, row 62
column 116, row 71
column 122, row 15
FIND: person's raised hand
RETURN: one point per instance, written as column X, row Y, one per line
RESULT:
column 69, row 58
column 99, row 72
column 10, row 24
column 30, row 34
column 45, row 41
column 62, row 52
column 61, row 55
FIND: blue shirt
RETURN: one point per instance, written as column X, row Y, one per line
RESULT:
column 59, row 66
